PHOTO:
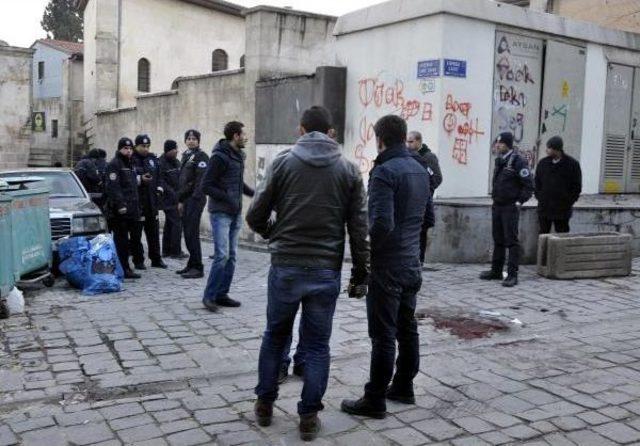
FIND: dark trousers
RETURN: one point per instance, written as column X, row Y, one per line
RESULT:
column 298, row 357
column 423, row 242
column 505, row 238
column 122, row 230
column 560, row 225
column 172, row 233
column 191, row 215
column 152, row 233
column 316, row 290
column 391, row 306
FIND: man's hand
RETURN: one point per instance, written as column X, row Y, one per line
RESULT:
column 357, row 290
column 146, row 178
column 180, row 209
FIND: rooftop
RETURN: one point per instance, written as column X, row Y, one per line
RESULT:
column 70, row 48
column 217, row 5
column 396, row 11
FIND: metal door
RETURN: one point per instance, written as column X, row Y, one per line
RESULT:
column 633, row 173
column 617, row 127
column 517, row 92
column 563, row 96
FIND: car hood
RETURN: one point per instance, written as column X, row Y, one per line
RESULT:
column 73, row 205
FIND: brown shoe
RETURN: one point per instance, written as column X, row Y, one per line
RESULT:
column 264, row 413
column 309, row 426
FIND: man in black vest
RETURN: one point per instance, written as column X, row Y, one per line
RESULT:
column 150, row 185
column 512, row 184
column 558, row 187
column 191, row 201
column 224, row 184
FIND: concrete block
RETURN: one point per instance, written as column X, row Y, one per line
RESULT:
column 584, row 256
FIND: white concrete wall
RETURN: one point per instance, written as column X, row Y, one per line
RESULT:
column 89, row 66
column 382, row 79
column 50, row 86
column 177, row 38
column 593, row 119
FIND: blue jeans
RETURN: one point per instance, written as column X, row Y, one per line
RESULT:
column 317, row 291
column 225, row 230
column 298, row 358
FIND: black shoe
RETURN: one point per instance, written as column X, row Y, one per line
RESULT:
column 193, row 274
column 128, row 274
column 159, row 264
column 226, row 301
column 264, row 413
column 298, row 370
column 183, row 270
column 400, row 397
column 510, row 281
column 491, row 275
column 364, row 408
column 139, row 266
column 309, row 426
column 283, row 374
column 210, row 305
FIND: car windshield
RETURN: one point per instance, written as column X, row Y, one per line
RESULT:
column 60, row 184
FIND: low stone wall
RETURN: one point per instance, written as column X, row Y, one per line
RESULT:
column 463, row 226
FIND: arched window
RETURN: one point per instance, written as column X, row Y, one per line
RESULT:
column 242, row 61
column 220, row 60
column 144, row 75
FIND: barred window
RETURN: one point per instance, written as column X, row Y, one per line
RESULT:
column 144, row 75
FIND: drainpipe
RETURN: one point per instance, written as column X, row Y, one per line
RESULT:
column 119, row 53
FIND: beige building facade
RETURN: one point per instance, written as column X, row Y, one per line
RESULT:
column 15, row 111
column 136, row 47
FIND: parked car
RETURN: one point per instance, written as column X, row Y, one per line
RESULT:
column 71, row 211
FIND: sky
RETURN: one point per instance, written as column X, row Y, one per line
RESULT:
column 20, row 19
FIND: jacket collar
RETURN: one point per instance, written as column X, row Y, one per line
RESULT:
column 424, row 150
column 225, row 147
column 397, row 151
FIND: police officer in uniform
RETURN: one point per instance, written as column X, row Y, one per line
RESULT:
column 191, row 202
column 89, row 173
column 512, row 184
column 150, row 186
column 170, row 173
column 122, row 206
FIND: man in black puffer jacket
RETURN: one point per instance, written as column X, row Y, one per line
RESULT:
column 558, row 187
column 223, row 183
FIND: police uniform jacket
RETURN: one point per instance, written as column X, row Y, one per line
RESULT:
column 191, row 173
column 512, row 180
column 170, row 173
column 89, row 175
column 148, row 192
column 121, row 189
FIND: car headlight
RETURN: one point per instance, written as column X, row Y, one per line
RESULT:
column 89, row 224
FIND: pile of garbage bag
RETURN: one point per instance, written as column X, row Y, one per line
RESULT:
column 91, row 265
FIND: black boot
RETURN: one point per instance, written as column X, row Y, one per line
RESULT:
column 309, row 426
column 364, row 408
column 193, row 274
column 140, row 266
column 264, row 413
column 510, row 281
column 491, row 275
column 394, row 393
column 129, row 274
column 226, row 301
column 159, row 264
column 210, row 305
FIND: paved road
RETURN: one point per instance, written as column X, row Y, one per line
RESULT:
column 149, row 366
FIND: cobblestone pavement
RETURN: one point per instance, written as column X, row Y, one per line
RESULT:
column 149, row 366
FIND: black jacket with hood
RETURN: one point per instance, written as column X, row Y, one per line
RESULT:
column 318, row 195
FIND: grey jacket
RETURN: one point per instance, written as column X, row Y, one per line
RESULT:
column 315, row 193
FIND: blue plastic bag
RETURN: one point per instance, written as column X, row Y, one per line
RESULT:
column 92, row 266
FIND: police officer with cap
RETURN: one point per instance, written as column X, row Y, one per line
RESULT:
column 170, row 172
column 122, row 205
column 512, row 184
column 191, row 202
column 150, row 186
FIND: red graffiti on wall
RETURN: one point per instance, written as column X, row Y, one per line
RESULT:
column 366, row 134
column 460, row 126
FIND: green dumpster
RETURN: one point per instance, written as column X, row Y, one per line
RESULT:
column 30, row 235
column 7, row 281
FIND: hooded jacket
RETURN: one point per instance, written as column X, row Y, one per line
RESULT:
column 317, row 195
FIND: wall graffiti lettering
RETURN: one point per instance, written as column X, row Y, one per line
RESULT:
column 378, row 97
column 460, row 126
